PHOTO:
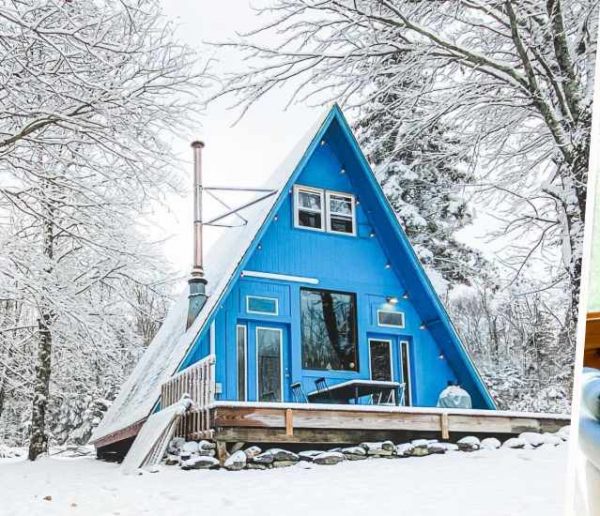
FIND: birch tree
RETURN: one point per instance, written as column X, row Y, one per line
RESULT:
column 90, row 94
column 512, row 77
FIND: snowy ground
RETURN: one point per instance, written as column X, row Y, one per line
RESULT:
column 494, row 483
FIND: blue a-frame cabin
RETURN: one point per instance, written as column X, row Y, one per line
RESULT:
column 318, row 280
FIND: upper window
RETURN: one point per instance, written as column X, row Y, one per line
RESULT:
column 390, row 318
column 340, row 213
column 328, row 326
column 324, row 210
column 262, row 305
column 309, row 208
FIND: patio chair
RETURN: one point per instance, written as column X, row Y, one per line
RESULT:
column 298, row 394
column 321, row 385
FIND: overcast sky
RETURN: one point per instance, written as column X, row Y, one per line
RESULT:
column 245, row 154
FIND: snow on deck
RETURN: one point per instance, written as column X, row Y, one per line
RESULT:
column 495, row 483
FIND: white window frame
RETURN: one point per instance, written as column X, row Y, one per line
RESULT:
column 298, row 208
column 389, row 342
column 391, row 325
column 266, row 298
column 328, row 195
column 245, row 328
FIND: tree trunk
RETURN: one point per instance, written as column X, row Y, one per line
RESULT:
column 38, row 442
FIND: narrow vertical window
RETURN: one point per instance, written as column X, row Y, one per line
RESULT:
column 340, row 213
column 308, row 211
column 405, row 353
column 241, row 361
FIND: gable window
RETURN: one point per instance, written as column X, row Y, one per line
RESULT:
column 262, row 305
column 328, row 328
column 308, row 208
column 340, row 213
column 390, row 318
column 323, row 210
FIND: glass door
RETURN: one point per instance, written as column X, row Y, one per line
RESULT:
column 267, row 369
column 269, row 380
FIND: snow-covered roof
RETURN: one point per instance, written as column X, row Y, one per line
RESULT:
column 140, row 393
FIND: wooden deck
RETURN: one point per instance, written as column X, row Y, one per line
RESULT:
column 313, row 423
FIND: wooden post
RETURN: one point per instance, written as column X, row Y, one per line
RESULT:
column 445, row 425
column 222, row 454
column 289, row 422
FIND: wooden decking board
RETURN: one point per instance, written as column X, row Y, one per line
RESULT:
column 315, row 423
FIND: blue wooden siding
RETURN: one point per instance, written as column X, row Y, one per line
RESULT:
column 345, row 263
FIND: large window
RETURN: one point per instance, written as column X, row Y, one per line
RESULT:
column 324, row 210
column 328, row 330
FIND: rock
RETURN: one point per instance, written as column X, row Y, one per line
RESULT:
column 253, row 451
column 282, row 455
column 436, row 447
column 418, row 448
column 552, row 439
column 532, row 438
column 284, row 463
column 354, row 453
column 469, row 443
column 48, row 498
column 236, row 461
column 451, row 447
column 175, row 445
column 490, row 443
column 263, row 458
column 171, row 460
column 206, row 445
column 253, row 465
column 309, row 455
column 153, row 469
column 379, row 448
column 564, row 432
column 329, row 458
column 206, row 452
column 514, row 443
column 190, row 447
column 404, row 450
column 200, row 462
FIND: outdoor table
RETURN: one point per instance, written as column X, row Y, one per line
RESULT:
column 353, row 389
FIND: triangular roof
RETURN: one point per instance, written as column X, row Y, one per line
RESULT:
column 225, row 261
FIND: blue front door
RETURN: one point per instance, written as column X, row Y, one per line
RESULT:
column 268, row 362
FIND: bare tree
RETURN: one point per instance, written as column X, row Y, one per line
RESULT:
column 90, row 94
column 512, row 77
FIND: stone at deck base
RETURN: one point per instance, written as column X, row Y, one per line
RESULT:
column 200, row 462
column 236, row 462
column 329, row 458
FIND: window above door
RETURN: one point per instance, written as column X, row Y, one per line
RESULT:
column 324, row 210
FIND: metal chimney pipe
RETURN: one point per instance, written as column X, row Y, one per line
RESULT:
column 198, row 265
column 197, row 283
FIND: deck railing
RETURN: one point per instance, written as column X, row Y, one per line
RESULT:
column 198, row 381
